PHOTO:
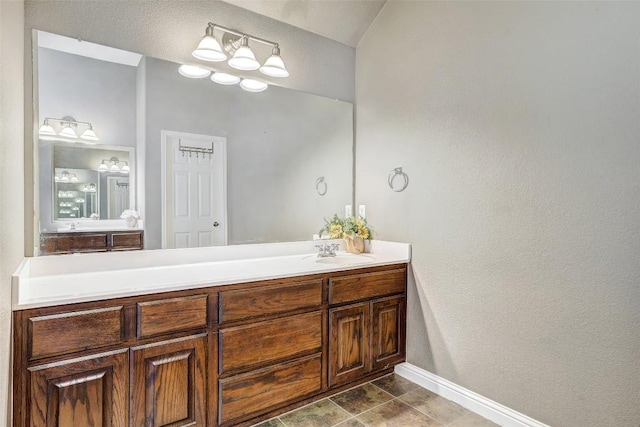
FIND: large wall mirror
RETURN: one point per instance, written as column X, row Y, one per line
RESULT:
column 206, row 164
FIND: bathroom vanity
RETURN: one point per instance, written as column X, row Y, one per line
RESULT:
column 165, row 341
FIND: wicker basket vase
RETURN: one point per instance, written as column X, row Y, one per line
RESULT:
column 353, row 244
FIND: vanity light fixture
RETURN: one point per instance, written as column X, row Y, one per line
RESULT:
column 68, row 127
column 244, row 59
column 235, row 43
column 274, row 66
column 209, row 49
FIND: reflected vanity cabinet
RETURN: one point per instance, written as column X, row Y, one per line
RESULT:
column 227, row 355
column 94, row 241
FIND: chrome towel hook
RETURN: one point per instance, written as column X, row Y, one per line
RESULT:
column 398, row 184
column 321, row 186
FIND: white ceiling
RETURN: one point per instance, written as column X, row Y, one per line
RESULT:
column 345, row 21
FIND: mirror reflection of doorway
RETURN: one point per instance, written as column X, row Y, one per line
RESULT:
column 194, row 196
column 118, row 195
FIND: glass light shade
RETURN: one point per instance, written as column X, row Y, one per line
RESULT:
column 114, row 167
column 103, row 167
column 125, row 168
column 274, row 67
column 74, row 178
column 47, row 130
column 251, row 85
column 64, row 177
column 193, row 71
column 68, row 132
column 89, row 135
column 209, row 50
column 244, row 59
column 225, row 79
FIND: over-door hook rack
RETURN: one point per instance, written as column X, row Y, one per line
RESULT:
column 198, row 150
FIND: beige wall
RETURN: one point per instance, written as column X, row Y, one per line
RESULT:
column 518, row 124
column 11, row 178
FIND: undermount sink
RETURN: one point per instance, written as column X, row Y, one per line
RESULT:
column 343, row 259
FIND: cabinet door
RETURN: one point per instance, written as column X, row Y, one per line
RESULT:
column 388, row 332
column 168, row 383
column 349, row 343
column 88, row 391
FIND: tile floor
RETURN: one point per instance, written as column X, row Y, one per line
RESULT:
column 390, row 401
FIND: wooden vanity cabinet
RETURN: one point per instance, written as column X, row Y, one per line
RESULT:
column 271, row 341
column 221, row 356
column 367, row 336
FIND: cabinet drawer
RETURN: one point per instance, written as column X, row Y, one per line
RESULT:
column 268, row 300
column 171, row 315
column 254, row 392
column 74, row 331
column 121, row 241
column 64, row 243
column 266, row 342
column 368, row 285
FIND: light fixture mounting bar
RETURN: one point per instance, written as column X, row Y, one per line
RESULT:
column 240, row 34
column 67, row 121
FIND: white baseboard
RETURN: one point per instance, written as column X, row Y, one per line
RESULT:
column 487, row 408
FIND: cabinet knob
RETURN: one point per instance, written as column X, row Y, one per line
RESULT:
column 215, row 224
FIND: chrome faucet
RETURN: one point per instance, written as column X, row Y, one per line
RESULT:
column 73, row 225
column 327, row 250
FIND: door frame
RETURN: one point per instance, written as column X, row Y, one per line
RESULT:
column 164, row 136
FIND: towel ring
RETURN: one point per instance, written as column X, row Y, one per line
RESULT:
column 321, row 186
column 398, row 185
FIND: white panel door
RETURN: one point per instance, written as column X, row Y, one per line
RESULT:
column 195, row 194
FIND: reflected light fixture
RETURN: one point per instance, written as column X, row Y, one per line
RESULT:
column 251, row 85
column 193, row 71
column 225, row 79
column 67, row 130
column 113, row 165
column 89, row 134
column 243, row 58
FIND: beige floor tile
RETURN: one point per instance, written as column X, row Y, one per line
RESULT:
column 395, row 384
column 323, row 413
column 436, row 407
column 273, row 422
column 396, row 414
column 351, row 423
column 362, row 398
column 472, row 420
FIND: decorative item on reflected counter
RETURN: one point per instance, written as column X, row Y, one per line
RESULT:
column 354, row 231
column 131, row 217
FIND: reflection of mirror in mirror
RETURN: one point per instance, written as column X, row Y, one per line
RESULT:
column 75, row 193
column 70, row 172
column 278, row 142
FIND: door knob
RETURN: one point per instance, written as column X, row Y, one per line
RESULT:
column 215, row 224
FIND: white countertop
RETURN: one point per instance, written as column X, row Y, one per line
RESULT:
column 66, row 279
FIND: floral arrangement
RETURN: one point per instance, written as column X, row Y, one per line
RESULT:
column 130, row 213
column 338, row 228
